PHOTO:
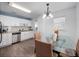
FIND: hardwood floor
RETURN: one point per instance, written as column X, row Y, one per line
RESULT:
column 21, row 49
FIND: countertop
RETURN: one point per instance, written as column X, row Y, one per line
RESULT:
column 16, row 31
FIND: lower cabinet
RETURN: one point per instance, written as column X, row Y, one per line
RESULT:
column 6, row 39
column 27, row 35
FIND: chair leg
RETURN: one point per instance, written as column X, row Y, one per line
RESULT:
column 76, row 55
column 34, row 50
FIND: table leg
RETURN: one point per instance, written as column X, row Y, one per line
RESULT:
column 57, row 53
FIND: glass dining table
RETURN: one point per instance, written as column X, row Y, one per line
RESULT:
column 59, row 47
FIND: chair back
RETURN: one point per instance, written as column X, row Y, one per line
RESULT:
column 43, row 49
column 77, row 48
column 37, row 36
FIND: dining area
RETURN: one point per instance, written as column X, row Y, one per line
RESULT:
column 53, row 49
column 55, row 42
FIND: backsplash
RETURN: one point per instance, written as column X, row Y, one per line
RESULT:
column 20, row 28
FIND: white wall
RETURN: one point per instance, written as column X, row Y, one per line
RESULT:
column 70, row 24
column 33, row 24
column 77, row 13
column 45, row 27
column 13, row 21
column 77, row 22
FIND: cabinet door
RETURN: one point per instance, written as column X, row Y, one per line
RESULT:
column 22, row 36
column 30, row 34
column 26, row 35
column 6, row 39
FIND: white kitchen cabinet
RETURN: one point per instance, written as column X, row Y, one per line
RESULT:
column 27, row 35
column 13, row 21
column 6, row 39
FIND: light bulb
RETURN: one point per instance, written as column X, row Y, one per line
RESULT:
column 51, row 15
column 44, row 16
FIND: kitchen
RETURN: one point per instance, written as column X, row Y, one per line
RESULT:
column 13, row 32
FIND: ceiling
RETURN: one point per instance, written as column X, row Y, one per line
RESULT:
column 37, row 8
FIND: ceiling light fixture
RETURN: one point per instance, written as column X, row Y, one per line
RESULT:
column 48, row 13
column 19, row 7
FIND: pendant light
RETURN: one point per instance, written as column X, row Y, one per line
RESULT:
column 48, row 13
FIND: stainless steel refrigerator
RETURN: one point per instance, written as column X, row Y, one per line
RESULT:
column 0, row 32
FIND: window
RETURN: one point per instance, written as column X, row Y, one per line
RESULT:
column 59, row 23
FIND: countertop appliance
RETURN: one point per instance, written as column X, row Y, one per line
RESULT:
column 16, row 37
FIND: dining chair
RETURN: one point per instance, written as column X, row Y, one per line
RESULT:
column 43, row 49
column 37, row 36
column 77, row 49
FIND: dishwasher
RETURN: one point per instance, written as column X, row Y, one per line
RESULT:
column 16, row 37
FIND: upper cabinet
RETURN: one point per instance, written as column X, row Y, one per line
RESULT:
column 13, row 21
